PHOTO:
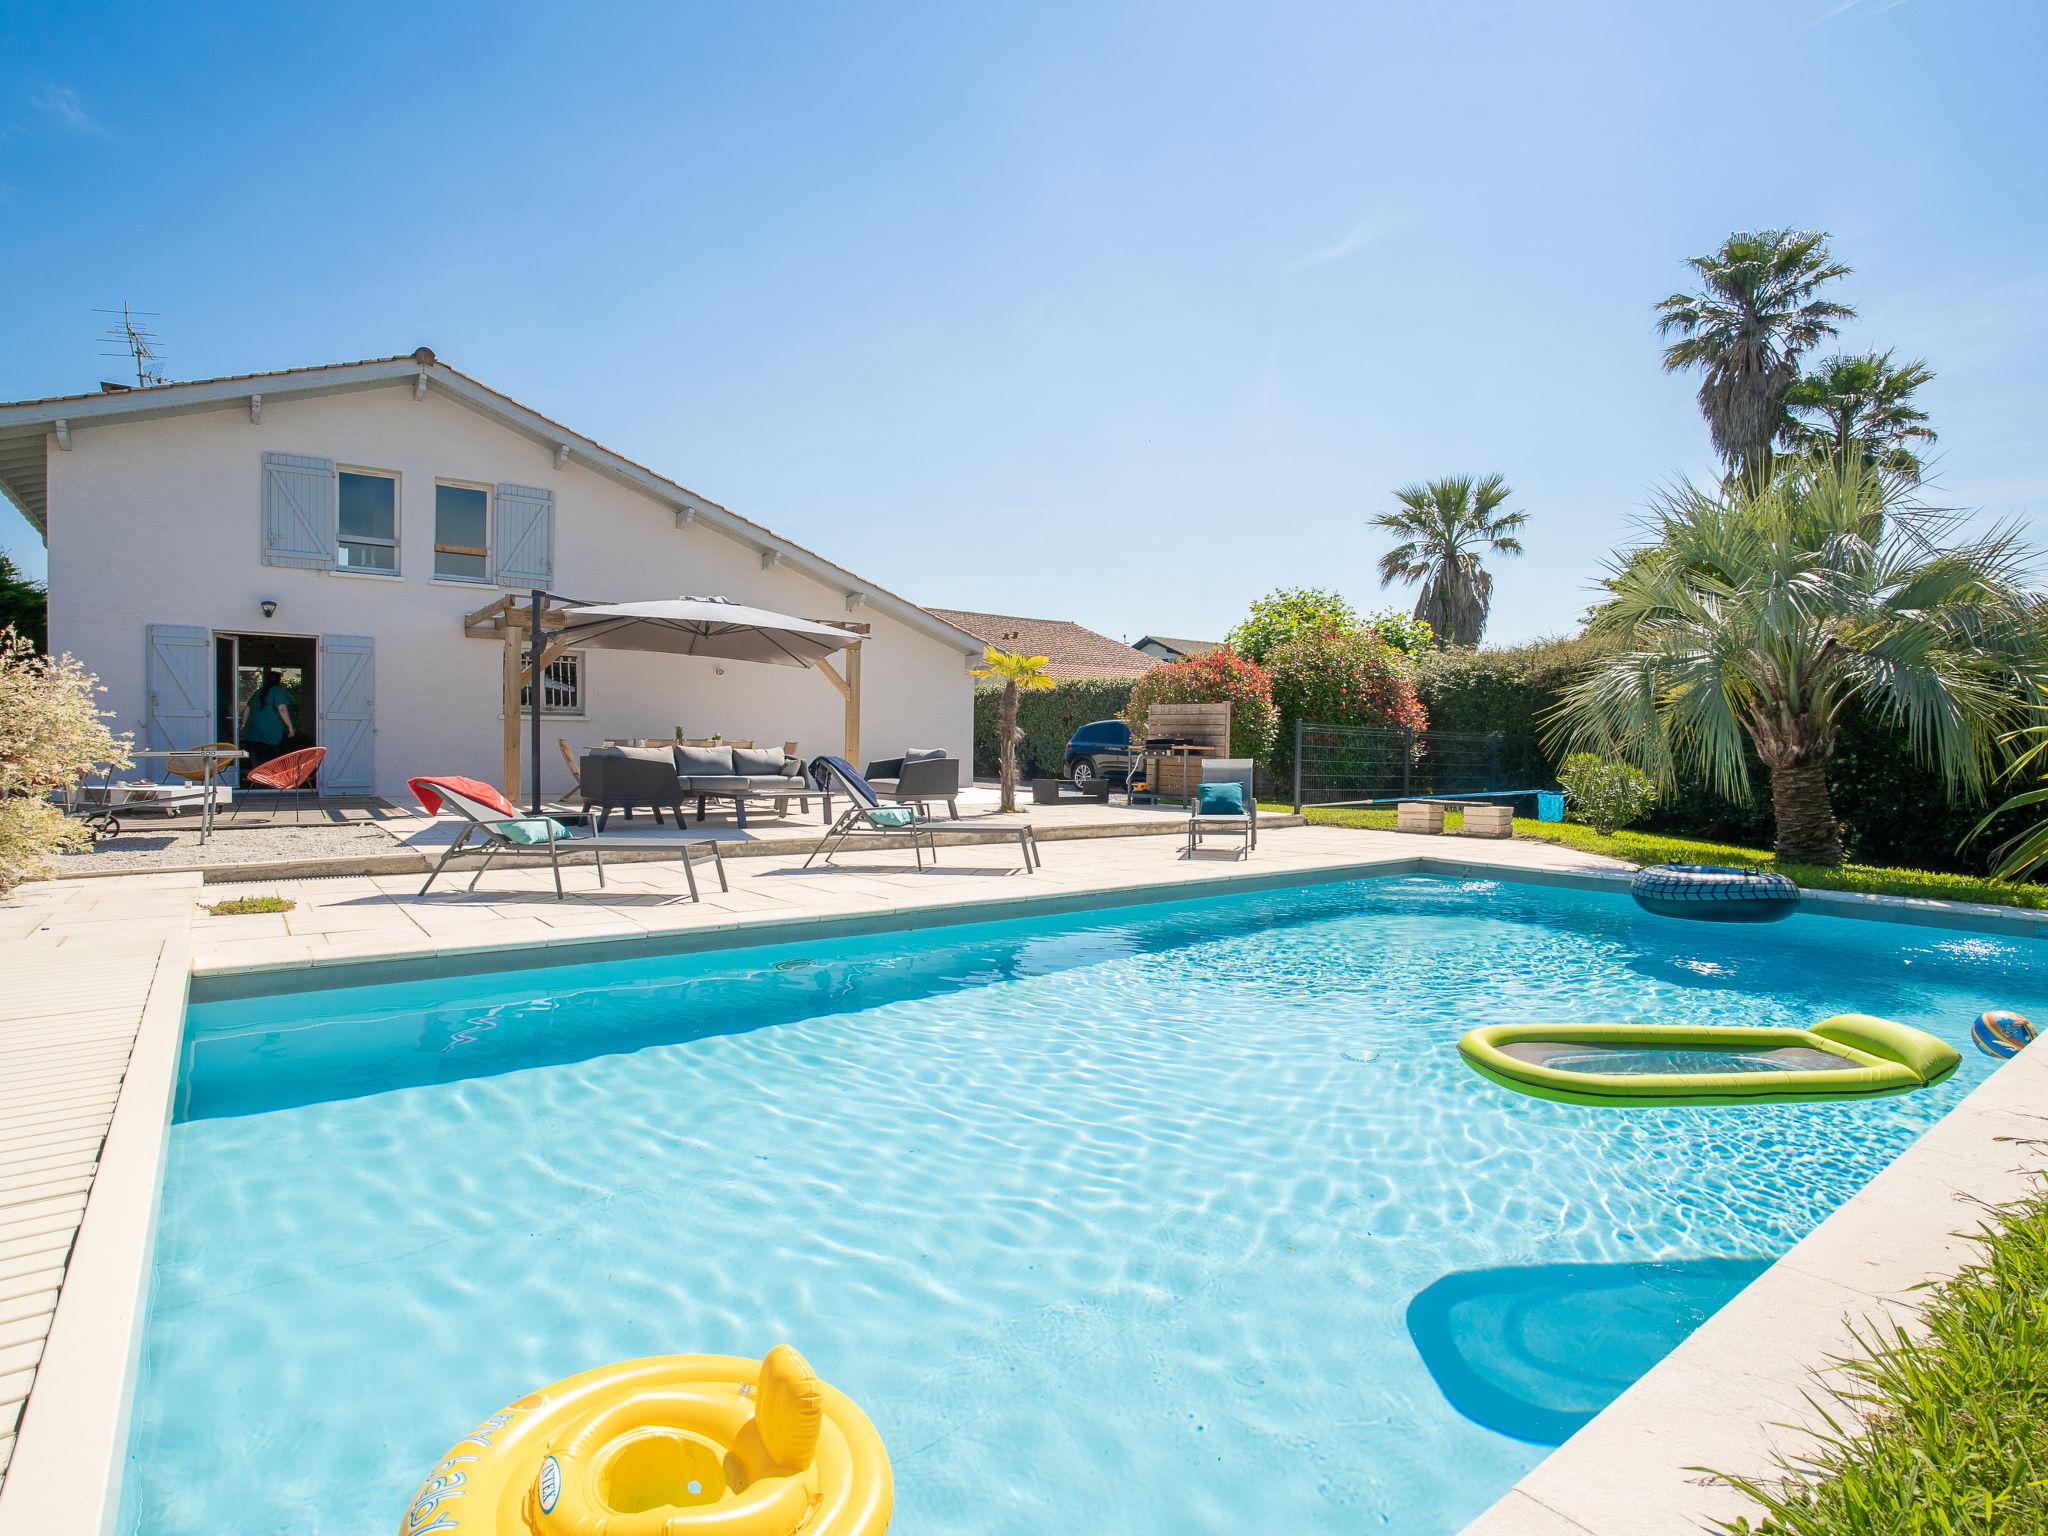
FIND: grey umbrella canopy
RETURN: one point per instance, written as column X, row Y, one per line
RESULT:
column 704, row 626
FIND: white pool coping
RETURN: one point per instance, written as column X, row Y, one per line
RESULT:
column 65, row 1475
column 1743, row 1386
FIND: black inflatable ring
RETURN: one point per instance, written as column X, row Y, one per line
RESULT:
column 1714, row 893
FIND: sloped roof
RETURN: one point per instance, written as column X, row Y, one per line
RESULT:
column 1070, row 650
column 26, row 427
column 1185, row 647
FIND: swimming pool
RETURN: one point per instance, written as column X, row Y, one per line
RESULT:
column 1162, row 1218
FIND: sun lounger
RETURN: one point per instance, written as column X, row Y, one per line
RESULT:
column 868, row 817
column 493, row 826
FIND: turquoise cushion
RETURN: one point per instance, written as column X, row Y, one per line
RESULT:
column 526, row 833
column 1222, row 800
column 891, row 815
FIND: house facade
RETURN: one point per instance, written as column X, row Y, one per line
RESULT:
column 339, row 524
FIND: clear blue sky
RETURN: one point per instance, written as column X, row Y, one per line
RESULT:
column 1120, row 313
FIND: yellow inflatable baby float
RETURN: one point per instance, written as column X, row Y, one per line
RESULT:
column 678, row 1445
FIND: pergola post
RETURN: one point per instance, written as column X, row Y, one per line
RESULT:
column 853, row 705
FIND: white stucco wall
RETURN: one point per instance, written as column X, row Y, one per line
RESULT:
column 159, row 522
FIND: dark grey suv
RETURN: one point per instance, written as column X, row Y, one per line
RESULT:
column 1099, row 750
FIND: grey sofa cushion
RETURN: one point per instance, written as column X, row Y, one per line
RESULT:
column 703, row 762
column 714, row 784
column 639, row 754
column 752, row 761
column 922, row 754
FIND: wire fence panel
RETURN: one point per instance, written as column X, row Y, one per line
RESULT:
column 1347, row 764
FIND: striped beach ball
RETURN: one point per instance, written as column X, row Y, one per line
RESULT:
column 1999, row 1032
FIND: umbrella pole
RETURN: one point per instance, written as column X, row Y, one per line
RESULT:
column 533, row 692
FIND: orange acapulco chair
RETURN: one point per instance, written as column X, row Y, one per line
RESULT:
column 290, row 774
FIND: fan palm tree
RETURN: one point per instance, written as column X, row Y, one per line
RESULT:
column 1862, row 405
column 1762, row 609
column 1019, row 675
column 1754, row 315
column 1445, row 527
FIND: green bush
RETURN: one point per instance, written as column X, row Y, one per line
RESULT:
column 1280, row 615
column 1604, row 792
column 1331, row 677
column 1221, row 677
column 1409, row 636
column 1046, row 720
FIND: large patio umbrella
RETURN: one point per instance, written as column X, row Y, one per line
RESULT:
column 704, row 626
column 712, row 627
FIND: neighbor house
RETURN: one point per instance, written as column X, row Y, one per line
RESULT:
column 1166, row 648
column 1070, row 651
column 341, row 523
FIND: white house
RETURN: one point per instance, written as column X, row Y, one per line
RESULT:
column 340, row 523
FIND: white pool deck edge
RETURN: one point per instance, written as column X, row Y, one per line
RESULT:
column 1625, row 1474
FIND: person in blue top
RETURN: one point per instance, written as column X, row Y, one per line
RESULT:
column 266, row 719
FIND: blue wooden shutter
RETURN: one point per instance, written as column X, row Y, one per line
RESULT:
column 301, row 507
column 524, row 538
column 179, row 675
column 347, row 724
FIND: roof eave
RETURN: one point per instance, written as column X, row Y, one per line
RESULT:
column 216, row 394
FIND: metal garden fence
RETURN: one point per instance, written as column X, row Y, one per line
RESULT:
column 1365, row 765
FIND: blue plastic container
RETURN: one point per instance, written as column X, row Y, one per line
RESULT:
column 1549, row 805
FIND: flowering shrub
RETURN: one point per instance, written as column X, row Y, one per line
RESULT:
column 1331, row 677
column 1605, row 792
column 1221, row 677
column 50, row 734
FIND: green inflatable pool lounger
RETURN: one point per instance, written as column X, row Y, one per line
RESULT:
column 1850, row 1056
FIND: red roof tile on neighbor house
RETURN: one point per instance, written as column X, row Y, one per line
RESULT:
column 1070, row 650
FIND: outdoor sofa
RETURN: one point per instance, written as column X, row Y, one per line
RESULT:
column 663, row 778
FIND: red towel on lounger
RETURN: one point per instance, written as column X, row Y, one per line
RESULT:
column 470, row 789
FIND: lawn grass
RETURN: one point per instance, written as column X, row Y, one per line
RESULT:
column 249, row 906
column 1650, row 848
column 1952, row 1436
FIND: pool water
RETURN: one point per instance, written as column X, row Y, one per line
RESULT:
column 1159, row 1219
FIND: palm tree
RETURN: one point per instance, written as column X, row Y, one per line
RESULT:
column 1019, row 674
column 1862, row 405
column 1445, row 527
column 1762, row 609
column 1754, row 315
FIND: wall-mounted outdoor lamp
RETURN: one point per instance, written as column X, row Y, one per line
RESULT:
column 269, row 607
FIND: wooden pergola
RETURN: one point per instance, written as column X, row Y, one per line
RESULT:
column 507, row 621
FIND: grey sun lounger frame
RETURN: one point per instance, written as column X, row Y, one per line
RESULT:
column 478, row 835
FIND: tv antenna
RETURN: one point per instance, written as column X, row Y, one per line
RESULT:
column 137, row 341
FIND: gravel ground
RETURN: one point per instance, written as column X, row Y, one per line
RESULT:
column 155, row 849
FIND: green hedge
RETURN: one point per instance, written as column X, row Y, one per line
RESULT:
column 1508, row 689
column 1895, row 811
column 1047, row 720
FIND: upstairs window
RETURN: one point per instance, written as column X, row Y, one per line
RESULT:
column 368, row 521
column 462, row 523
